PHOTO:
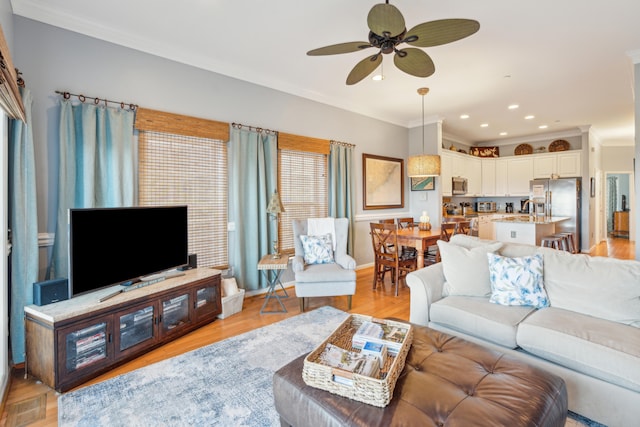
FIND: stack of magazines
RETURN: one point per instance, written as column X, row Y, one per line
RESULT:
column 351, row 361
column 390, row 335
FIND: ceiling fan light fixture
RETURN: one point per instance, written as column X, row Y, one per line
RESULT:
column 387, row 31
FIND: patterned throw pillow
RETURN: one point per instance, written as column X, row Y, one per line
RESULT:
column 317, row 249
column 517, row 281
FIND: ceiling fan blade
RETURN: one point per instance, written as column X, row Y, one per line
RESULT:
column 364, row 68
column 384, row 18
column 339, row 48
column 435, row 33
column 414, row 61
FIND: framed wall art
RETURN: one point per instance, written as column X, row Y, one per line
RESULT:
column 383, row 182
column 423, row 183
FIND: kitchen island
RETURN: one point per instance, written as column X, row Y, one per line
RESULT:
column 525, row 229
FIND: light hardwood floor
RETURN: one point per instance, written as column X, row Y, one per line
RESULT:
column 381, row 303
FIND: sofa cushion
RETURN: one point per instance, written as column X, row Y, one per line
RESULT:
column 315, row 273
column 477, row 317
column 596, row 347
column 466, row 271
column 470, row 242
column 317, row 249
column 517, row 281
column 607, row 288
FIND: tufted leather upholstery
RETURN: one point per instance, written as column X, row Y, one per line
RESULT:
column 447, row 381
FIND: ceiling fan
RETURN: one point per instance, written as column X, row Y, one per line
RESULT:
column 388, row 31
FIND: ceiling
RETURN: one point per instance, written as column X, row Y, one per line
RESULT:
column 566, row 62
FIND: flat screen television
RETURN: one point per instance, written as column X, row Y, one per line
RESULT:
column 111, row 246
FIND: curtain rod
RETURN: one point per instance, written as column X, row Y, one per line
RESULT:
column 257, row 129
column 343, row 144
column 82, row 98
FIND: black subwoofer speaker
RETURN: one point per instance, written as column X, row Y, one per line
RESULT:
column 50, row 291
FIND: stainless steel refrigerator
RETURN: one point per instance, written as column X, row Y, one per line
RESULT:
column 558, row 197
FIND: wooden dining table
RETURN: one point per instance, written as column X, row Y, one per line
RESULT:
column 419, row 239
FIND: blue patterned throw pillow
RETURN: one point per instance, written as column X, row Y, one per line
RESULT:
column 317, row 249
column 517, row 281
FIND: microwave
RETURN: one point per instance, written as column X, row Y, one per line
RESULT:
column 458, row 185
column 486, row 206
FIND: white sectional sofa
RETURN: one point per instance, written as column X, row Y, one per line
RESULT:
column 588, row 333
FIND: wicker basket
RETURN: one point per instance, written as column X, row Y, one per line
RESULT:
column 373, row 391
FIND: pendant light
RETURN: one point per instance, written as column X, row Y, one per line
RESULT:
column 423, row 165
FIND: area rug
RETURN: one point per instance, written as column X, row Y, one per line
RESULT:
column 228, row 383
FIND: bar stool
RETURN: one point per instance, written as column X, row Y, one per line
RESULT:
column 571, row 240
column 554, row 242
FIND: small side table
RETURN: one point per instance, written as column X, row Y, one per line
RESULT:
column 276, row 266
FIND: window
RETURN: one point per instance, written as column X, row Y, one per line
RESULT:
column 182, row 170
column 303, row 189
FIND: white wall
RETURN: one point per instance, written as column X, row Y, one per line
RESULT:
column 54, row 59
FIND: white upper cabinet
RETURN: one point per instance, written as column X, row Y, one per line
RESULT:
column 565, row 164
column 446, row 172
column 506, row 176
column 569, row 164
column 519, row 173
column 489, row 177
column 544, row 165
column 473, row 173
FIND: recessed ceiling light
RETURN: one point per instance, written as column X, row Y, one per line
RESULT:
column 529, row 117
column 543, row 127
column 513, row 106
column 503, row 133
column 377, row 77
column 464, row 116
column 484, row 125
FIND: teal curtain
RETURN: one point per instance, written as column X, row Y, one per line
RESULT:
column 341, row 186
column 253, row 169
column 612, row 200
column 97, row 166
column 23, row 223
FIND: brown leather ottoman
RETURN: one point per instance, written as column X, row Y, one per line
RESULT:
column 446, row 381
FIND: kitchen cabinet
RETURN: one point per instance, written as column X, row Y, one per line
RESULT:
column 488, row 177
column 72, row 341
column 486, row 228
column 454, row 164
column 544, row 165
column 566, row 164
column 446, row 173
column 569, row 164
column 473, row 173
column 502, row 177
column 506, row 176
column 519, row 173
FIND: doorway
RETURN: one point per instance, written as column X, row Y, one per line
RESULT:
column 617, row 204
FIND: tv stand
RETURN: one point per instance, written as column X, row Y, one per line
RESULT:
column 72, row 341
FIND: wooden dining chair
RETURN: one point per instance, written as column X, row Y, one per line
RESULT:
column 382, row 237
column 464, row 227
column 447, row 230
column 390, row 247
column 404, row 223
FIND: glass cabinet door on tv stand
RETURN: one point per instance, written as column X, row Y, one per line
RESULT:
column 175, row 313
column 136, row 328
column 207, row 301
column 85, row 347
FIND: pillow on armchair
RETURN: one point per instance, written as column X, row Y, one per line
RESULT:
column 317, row 249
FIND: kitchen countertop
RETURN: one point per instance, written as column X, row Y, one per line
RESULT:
column 527, row 219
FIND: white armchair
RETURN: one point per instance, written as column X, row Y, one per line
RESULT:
column 321, row 280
